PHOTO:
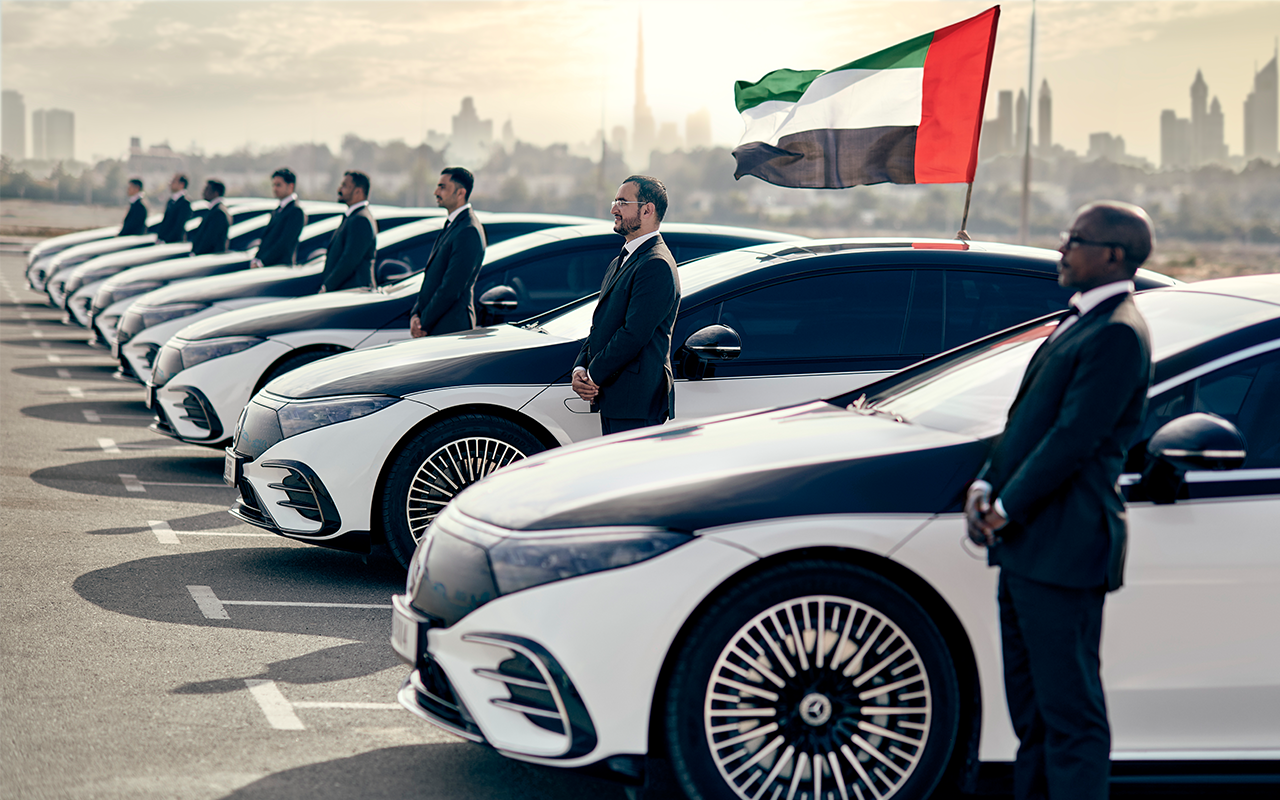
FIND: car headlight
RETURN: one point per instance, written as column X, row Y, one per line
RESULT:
column 296, row 418
column 520, row 563
column 198, row 352
column 159, row 314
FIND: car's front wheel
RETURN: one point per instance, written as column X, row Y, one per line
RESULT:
column 438, row 463
column 813, row 679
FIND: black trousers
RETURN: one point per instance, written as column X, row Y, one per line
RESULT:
column 610, row 425
column 1050, row 636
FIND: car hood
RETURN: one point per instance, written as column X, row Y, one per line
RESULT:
column 504, row 354
column 264, row 282
column 102, row 247
column 349, row 308
column 810, row 459
column 178, row 269
column 115, row 262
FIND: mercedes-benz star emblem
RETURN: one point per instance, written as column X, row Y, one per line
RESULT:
column 815, row 709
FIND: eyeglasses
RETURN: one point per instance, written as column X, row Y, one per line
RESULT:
column 626, row 203
column 1069, row 241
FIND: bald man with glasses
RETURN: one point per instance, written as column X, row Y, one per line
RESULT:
column 624, row 368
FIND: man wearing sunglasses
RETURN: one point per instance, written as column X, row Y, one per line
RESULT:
column 624, row 368
column 1047, row 507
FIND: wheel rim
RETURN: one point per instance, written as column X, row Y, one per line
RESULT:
column 845, row 714
column 448, row 471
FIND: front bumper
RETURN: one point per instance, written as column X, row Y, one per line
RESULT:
column 563, row 674
column 200, row 405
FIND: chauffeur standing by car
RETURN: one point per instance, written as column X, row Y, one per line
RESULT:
column 349, row 262
column 176, row 212
column 1056, row 525
column 135, row 219
column 446, row 301
column 280, row 238
column 211, row 236
column 624, row 368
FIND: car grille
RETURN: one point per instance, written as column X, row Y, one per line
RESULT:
column 150, row 352
column 434, row 696
column 302, row 498
column 196, row 414
column 250, row 507
column 530, row 694
column 161, row 422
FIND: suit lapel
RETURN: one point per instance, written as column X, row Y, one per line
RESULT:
column 1052, row 346
column 616, row 268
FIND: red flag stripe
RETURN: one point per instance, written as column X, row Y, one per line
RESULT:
column 956, row 71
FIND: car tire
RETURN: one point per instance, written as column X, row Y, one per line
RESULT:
column 294, row 361
column 440, row 461
column 739, row 671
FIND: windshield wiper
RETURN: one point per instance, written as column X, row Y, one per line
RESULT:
column 861, row 406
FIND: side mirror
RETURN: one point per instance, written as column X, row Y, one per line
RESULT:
column 392, row 269
column 706, row 346
column 1196, row 441
column 500, row 299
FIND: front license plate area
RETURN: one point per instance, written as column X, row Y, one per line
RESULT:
column 231, row 468
column 404, row 636
column 151, row 396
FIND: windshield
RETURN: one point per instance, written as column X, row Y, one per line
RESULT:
column 970, row 393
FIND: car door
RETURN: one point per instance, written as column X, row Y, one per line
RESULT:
column 1192, row 641
column 556, row 274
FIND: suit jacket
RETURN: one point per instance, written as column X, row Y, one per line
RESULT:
column 173, row 227
column 628, row 352
column 135, row 219
column 1056, row 465
column 211, row 236
column 350, row 260
column 280, row 238
column 446, row 301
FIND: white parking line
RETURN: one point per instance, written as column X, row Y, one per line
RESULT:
column 76, row 392
column 37, row 334
column 131, row 483
column 63, row 373
column 278, row 711
column 54, row 359
column 108, row 445
column 214, row 608
column 90, row 415
column 167, row 535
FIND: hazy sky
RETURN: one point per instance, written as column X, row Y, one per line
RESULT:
column 222, row 75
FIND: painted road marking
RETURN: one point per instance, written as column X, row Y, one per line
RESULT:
column 167, row 535
column 278, row 710
column 64, row 373
column 54, row 359
column 90, row 415
column 108, row 445
column 37, row 333
column 93, row 416
column 213, row 607
column 76, row 392
column 131, row 483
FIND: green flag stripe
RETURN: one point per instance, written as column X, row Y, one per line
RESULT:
column 786, row 85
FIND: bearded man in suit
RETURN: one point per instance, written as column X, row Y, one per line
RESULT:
column 446, row 301
column 173, row 228
column 624, row 367
column 280, row 238
column 1047, row 507
column 211, row 236
column 349, row 263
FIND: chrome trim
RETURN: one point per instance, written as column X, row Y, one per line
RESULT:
column 1210, row 366
column 494, row 675
column 523, row 709
column 406, row 697
column 1216, row 475
column 1205, row 453
column 550, row 688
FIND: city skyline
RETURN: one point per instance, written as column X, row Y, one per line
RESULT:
column 225, row 75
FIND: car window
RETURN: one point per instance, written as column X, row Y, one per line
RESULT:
column 413, row 252
column 840, row 315
column 1246, row 394
column 979, row 303
column 554, row 278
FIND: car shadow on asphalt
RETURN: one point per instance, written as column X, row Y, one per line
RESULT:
column 122, row 413
column 457, row 771
column 74, row 372
column 173, row 478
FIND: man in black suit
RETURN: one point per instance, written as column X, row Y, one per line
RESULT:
column 624, row 368
column 1056, row 525
column 349, row 262
column 135, row 219
column 173, row 228
column 211, row 235
column 280, row 238
column 446, row 301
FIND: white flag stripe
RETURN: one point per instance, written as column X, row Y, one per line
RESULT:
column 844, row 100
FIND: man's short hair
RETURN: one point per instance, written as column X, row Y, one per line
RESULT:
column 285, row 174
column 461, row 176
column 359, row 180
column 1126, row 225
column 182, row 178
column 650, row 190
column 136, row 182
column 218, row 187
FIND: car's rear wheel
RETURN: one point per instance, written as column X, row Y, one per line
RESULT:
column 437, row 464
column 817, row 679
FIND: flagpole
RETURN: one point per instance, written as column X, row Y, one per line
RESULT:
column 963, row 234
column 1024, row 222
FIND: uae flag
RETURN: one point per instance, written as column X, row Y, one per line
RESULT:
column 911, row 113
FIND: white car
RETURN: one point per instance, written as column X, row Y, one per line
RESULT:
column 784, row 603
column 759, row 326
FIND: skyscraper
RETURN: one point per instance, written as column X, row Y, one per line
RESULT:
column 1199, row 111
column 13, row 137
column 1046, row 119
column 1262, row 113
column 1175, row 140
column 1020, row 122
column 53, row 134
column 642, row 129
column 1004, row 121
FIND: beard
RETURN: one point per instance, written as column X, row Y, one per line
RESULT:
column 626, row 226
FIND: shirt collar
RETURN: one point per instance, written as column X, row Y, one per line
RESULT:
column 457, row 211
column 634, row 245
column 215, row 202
column 353, row 209
column 1084, row 302
column 286, row 201
column 136, row 197
column 176, row 195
